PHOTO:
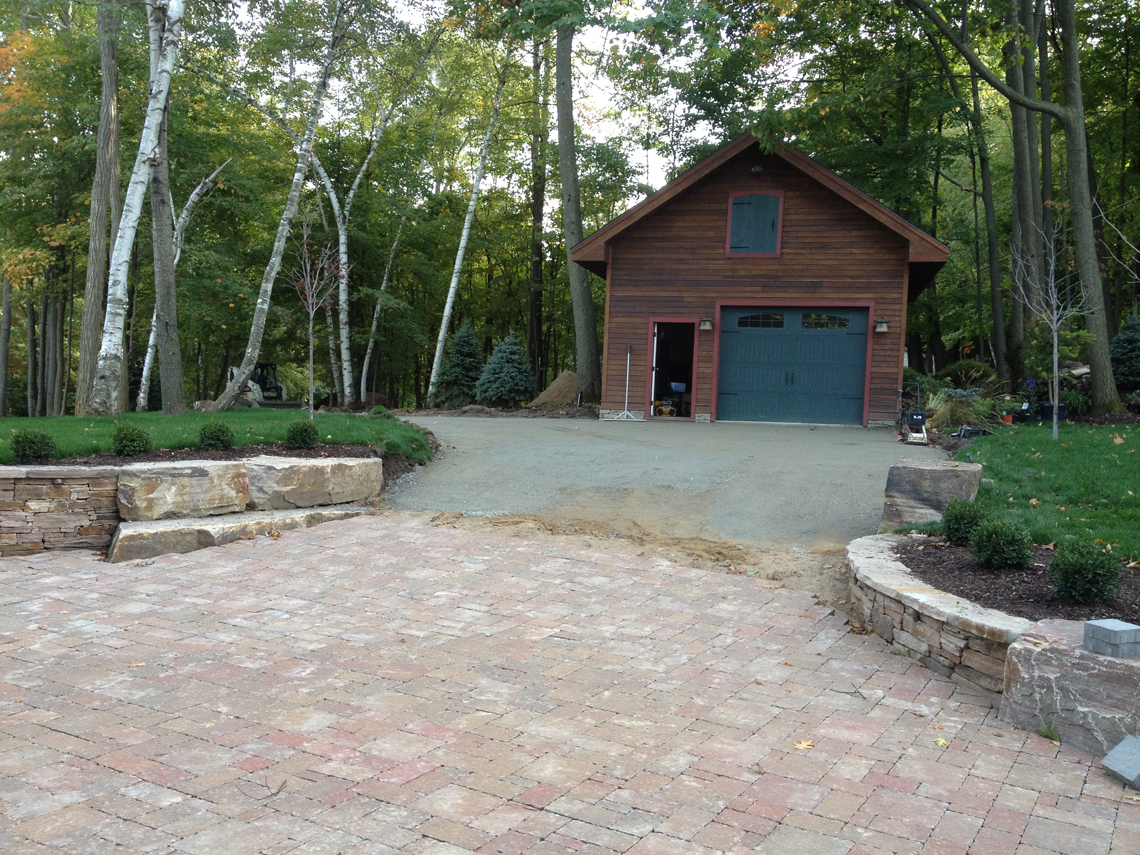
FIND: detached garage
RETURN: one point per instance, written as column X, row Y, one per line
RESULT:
column 758, row 286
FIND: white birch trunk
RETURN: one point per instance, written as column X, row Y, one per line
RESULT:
column 180, row 224
column 261, row 312
column 388, row 268
column 104, row 398
column 438, row 361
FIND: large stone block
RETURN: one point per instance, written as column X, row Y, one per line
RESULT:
column 136, row 540
column 159, row 491
column 283, row 482
column 1091, row 700
column 918, row 491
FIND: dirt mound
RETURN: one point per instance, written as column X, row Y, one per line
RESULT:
column 564, row 390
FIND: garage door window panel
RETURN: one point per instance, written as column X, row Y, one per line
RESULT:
column 754, row 224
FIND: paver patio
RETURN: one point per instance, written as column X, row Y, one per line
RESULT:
column 380, row 685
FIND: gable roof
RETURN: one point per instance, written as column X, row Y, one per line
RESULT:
column 926, row 254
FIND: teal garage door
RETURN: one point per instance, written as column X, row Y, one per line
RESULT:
column 792, row 365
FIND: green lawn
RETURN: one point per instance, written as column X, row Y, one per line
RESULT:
column 79, row 436
column 1085, row 484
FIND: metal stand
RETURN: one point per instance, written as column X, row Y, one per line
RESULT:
column 625, row 415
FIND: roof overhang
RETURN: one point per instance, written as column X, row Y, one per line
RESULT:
column 925, row 254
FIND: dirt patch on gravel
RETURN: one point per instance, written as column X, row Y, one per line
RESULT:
column 803, row 571
column 1021, row 591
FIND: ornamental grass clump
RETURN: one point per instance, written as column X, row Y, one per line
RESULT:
column 1084, row 572
column 302, row 435
column 960, row 519
column 32, row 446
column 949, row 409
column 130, row 440
column 217, row 436
column 997, row 543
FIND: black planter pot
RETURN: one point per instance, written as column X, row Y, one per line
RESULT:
column 1046, row 410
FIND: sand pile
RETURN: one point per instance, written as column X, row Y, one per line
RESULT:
column 564, row 390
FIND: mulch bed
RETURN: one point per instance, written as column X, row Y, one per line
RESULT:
column 1020, row 591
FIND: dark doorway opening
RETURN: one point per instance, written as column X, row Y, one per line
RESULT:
column 672, row 383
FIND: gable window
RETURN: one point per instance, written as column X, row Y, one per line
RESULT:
column 754, row 224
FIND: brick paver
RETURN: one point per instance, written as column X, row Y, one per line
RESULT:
column 380, row 684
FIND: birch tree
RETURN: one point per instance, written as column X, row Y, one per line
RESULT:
column 337, row 35
column 104, row 399
column 437, row 362
column 179, row 234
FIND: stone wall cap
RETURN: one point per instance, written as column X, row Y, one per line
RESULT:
column 21, row 472
column 872, row 560
column 924, row 463
column 162, row 466
column 272, row 460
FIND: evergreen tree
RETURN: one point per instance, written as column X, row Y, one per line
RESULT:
column 461, row 370
column 1126, row 353
column 507, row 379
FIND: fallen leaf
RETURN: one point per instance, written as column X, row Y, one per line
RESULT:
column 804, row 744
column 918, row 713
column 1000, row 735
column 1117, row 439
column 1052, row 547
column 938, row 727
column 787, row 663
column 941, row 743
column 828, row 566
column 136, row 665
column 1035, row 502
column 1130, row 798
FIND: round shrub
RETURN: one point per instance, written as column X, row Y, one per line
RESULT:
column 216, row 435
column 960, row 519
column 1083, row 572
column 997, row 543
column 130, row 439
column 380, row 411
column 302, row 435
column 30, row 446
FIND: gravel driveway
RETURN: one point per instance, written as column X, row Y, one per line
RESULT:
column 775, row 485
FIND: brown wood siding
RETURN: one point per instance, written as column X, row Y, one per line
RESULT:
column 673, row 264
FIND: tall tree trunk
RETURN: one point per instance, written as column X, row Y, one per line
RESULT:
column 42, row 376
column 5, row 340
column 581, row 296
column 1104, row 396
column 33, row 361
column 284, row 226
column 540, row 132
column 437, row 362
column 337, row 379
column 104, row 191
column 170, row 376
column 107, row 389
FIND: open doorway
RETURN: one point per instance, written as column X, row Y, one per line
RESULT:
column 672, row 381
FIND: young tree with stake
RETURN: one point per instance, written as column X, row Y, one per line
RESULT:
column 315, row 279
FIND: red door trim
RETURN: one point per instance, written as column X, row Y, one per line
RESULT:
column 696, row 322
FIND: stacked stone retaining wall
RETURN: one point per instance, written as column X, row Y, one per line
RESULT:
column 50, row 507
column 948, row 634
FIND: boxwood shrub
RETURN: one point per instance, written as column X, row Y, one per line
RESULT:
column 1084, row 572
column 302, row 435
column 130, row 440
column 997, row 543
column 32, row 446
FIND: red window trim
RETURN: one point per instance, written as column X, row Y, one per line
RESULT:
column 779, row 225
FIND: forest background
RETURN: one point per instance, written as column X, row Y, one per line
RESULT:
column 340, row 141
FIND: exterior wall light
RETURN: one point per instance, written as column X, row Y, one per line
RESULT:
column 706, row 324
column 881, row 325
